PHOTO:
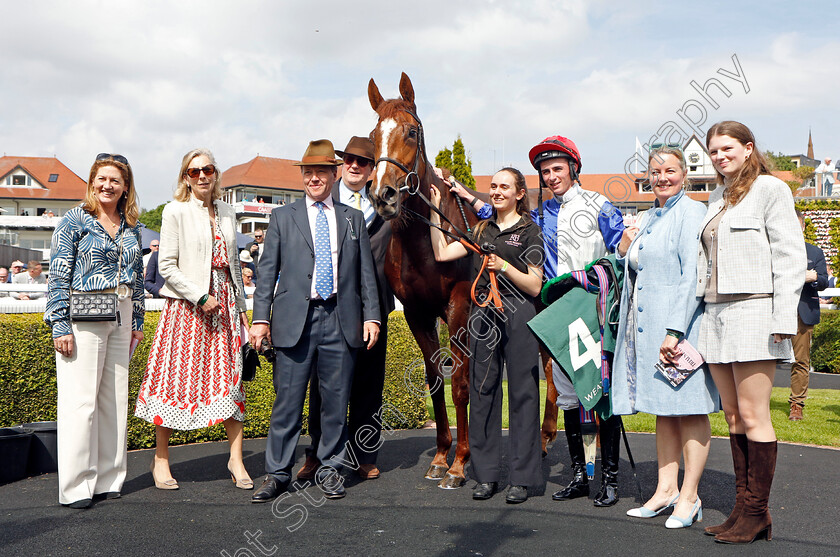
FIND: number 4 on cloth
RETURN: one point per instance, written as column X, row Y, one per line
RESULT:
column 579, row 334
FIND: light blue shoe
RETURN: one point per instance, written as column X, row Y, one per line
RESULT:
column 644, row 512
column 695, row 516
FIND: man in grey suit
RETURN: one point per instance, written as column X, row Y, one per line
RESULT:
column 365, row 420
column 325, row 309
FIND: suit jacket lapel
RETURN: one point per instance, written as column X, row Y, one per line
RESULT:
column 342, row 221
column 301, row 219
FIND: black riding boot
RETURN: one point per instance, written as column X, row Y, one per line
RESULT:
column 610, row 444
column 579, row 486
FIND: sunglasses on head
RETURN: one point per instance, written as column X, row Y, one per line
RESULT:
column 675, row 146
column 106, row 156
column 194, row 173
column 361, row 161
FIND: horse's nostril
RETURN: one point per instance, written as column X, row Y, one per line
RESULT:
column 389, row 194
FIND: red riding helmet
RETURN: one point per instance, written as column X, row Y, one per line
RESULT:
column 553, row 147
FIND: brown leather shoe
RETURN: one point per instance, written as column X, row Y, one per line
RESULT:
column 795, row 412
column 368, row 471
column 307, row 471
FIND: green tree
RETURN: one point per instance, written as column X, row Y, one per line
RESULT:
column 780, row 161
column 457, row 163
column 152, row 218
column 804, row 173
column 461, row 165
column 444, row 159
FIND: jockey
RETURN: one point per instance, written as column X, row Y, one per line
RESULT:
column 578, row 226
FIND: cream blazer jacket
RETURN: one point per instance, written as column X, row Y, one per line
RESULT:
column 760, row 249
column 186, row 249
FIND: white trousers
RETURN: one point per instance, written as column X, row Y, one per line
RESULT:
column 567, row 398
column 93, row 408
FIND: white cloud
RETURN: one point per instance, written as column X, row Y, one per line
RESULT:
column 154, row 79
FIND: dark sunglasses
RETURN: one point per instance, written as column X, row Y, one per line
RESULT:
column 106, row 156
column 361, row 161
column 194, row 173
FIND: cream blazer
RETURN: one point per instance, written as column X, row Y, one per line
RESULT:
column 760, row 249
column 186, row 249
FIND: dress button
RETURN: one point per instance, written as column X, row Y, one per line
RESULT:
column 648, row 230
column 640, row 309
column 640, row 267
column 640, row 287
column 641, row 330
column 309, row 276
column 641, row 246
column 658, row 212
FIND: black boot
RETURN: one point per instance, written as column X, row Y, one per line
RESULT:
column 579, row 486
column 610, row 444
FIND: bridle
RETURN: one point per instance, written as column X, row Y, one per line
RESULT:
column 412, row 177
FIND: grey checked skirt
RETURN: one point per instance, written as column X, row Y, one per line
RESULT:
column 740, row 332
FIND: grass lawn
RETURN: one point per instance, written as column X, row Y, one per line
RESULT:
column 821, row 425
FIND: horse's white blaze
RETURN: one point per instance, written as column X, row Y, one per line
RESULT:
column 385, row 128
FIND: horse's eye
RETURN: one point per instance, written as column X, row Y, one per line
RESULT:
column 412, row 133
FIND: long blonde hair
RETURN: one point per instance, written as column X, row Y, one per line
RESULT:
column 755, row 165
column 182, row 190
column 127, row 204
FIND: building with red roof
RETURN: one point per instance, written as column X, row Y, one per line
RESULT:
column 256, row 187
column 34, row 193
column 33, row 186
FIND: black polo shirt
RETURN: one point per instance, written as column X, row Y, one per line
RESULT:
column 519, row 245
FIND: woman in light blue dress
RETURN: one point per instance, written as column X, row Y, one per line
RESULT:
column 659, row 308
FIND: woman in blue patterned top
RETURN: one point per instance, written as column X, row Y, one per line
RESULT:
column 95, row 248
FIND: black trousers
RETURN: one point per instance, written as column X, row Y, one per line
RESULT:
column 364, row 426
column 497, row 339
column 321, row 351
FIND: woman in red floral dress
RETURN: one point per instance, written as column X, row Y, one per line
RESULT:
column 194, row 375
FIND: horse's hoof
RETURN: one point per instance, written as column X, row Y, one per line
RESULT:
column 436, row 472
column 451, row 482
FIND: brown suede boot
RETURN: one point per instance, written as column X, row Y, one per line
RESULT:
column 738, row 442
column 755, row 521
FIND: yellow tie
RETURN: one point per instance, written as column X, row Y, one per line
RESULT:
column 357, row 199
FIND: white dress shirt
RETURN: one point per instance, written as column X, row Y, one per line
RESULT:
column 347, row 196
column 312, row 214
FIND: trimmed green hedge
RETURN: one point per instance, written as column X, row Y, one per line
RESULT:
column 825, row 344
column 28, row 387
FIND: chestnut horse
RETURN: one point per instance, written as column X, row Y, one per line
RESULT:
column 427, row 289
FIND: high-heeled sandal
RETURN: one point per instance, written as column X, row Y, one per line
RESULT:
column 168, row 484
column 644, row 512
column 696, row 515
column 241, row 483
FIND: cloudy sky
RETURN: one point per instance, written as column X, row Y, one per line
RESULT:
column 153, row 79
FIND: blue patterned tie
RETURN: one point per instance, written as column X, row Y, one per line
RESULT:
column 323, row 255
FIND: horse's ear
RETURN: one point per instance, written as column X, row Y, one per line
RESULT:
column 374, row 95
column 406, row 89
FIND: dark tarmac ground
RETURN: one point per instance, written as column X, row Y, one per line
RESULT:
column 403, row 514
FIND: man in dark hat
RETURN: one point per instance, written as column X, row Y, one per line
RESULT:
column 316, row 322
column 364, row 424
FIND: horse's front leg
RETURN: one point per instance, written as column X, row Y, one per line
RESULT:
column 549, row 424
column 457, row 319
column 424, row 329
